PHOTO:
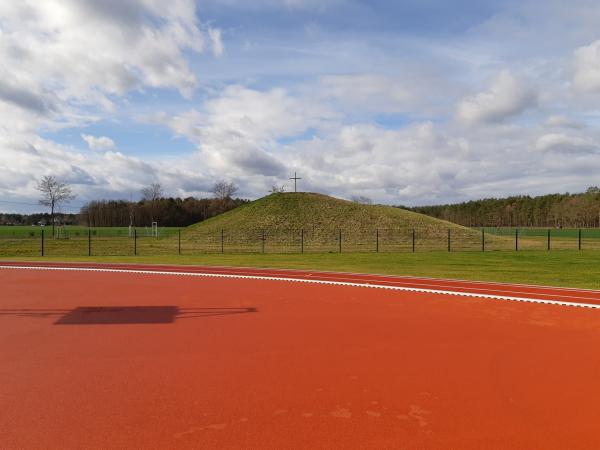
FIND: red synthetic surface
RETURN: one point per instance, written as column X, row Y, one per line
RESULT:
column 120, row 360
column 571, row 295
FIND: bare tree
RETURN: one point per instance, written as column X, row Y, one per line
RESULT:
column 362, row 199
column 224, row 190
column 275, row 189
column 152, row 192
column 54, row 193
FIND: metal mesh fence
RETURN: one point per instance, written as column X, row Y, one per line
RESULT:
column 122, row 242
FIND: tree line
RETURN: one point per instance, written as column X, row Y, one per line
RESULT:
column 580, row 210
column 167, row 212
column 37, row 218
column 155, row 207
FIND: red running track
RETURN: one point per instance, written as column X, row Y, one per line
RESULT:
column 115, row 360
column 585, row 297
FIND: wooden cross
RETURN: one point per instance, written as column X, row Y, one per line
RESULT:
column 295, row 178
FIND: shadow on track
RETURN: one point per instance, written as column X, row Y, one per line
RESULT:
column 107, row 315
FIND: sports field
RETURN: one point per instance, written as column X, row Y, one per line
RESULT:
column 134, row 356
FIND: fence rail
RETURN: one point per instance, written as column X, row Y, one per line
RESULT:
column 105, row 242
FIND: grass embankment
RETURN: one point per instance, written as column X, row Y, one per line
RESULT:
column 285, row 220
column 561, row 268
column 311, row 211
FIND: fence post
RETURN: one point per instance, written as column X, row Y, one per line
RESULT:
column 516, row 239
column 42, row 242
column 302, row 240
column 135, row 241
column 89, row 242
column 222, row 241
column 340, row 238
column 548, row 238
column 579, row 247
column 413, row 240
column 449, row 249
column 179, row 241
column 377, row 240
column 483, row 239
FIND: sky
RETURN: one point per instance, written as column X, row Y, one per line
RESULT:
column 410, row 102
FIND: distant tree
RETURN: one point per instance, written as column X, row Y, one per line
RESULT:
column 152, row 192
column 224, row 190
column 362, row 199
column 54, row 193
column 275, row 189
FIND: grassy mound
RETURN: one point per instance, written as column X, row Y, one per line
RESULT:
column 312, row 212
column 291, row 219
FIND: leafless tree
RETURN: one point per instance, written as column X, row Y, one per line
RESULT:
column 362, row 199
column 54, row 193
column 275, row 189
column 153, row 192
column 224, row 190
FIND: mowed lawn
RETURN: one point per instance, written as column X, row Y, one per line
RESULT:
column 555, row 268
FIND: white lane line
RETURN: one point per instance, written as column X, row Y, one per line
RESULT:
column 403, row 283
column 385, row 276
column 314, row 281
column 395, row 281
column 472, row 288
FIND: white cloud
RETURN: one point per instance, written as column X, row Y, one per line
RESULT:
column 245, row 134
column 587, row 67
column 259, row 138
column 85, row 52
column 238, row 132
column 92, row 175
column 506, row 97
column 308, row 5
column 217, row 42
column 64, row 63
column 98, row 142
column 560, row 142
column 387, row 165
column 559, row 121
column 383, row 93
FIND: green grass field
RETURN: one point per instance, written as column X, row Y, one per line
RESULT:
column 73, row 231
column 567, row 269
column 560, row 238
column 116, row 241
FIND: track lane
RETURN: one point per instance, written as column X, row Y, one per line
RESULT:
column 471, row 288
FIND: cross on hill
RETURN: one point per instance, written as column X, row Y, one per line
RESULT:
column 295, row 178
